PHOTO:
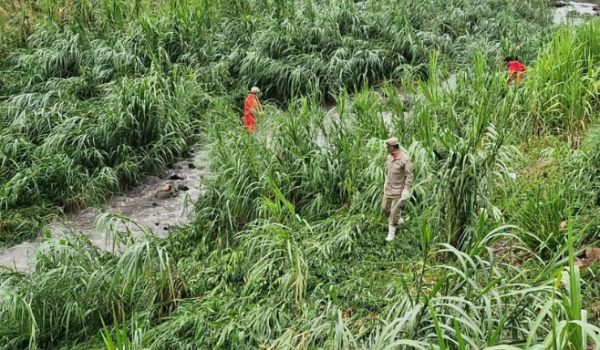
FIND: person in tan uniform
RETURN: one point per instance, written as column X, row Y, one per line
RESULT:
column 398, row 181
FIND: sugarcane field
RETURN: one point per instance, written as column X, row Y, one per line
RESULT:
column 299, row 174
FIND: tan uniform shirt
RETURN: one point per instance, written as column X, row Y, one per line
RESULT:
column 399, row 174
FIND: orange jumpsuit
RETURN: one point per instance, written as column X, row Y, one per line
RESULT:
column 251, row 107
column 516, row 72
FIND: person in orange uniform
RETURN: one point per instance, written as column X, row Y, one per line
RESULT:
column 252, row 107
column 516, row 71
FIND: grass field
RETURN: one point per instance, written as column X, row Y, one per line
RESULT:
column 287, row 249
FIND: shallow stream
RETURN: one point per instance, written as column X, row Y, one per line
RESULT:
column 561, row 14
column 138, row 204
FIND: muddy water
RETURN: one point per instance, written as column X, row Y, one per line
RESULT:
column 139, row 204
column 561, row 14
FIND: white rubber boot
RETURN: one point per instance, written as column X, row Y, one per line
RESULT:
column 391, row 234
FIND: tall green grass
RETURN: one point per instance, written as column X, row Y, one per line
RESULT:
column 287, row 247
column 89, row 76
column 288, row 251
column 563, row 95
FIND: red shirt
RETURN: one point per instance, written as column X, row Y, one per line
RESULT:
column 516, row 66
column 516, row 71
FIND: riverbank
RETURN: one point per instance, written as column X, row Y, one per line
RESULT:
column 148, row 214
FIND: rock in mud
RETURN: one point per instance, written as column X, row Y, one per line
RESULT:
column 593, row 254
column 182, row 188
column 560, row 4
column 176, row 177
column 563, row 225
column 191, row 165
column 164, row 195
column 164, row 192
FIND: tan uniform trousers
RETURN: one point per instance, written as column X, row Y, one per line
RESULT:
column 392, row 209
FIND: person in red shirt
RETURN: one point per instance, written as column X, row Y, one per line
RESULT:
column 516, row 71
column 251, row 108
